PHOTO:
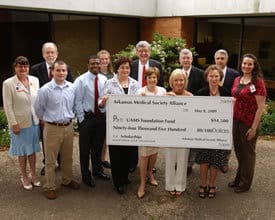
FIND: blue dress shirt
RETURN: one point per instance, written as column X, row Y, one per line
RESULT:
column 55, row 103
column 84, row 93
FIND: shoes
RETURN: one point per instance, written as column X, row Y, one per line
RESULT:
column 153, row 182
column 224, row 169
column 50, row 194
column 120, row 190
column 35, row 181
column 189, row 171
column 102, row 176
column 106, row 164
column 90, row 183
column 132, row 169
column 140, row 194
column 154, row 170
column 42, row 172
column 203, row 191
column 178, row 193
column 233, row 184
column 240, row 189
column 73, row 185
column 211, row 194
column 26, row 186
column 172, row 193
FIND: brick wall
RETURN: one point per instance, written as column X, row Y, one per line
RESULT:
column 170, row 27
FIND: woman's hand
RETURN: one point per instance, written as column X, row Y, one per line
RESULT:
column 103, row 101
column 16, row 129
column 250, row 134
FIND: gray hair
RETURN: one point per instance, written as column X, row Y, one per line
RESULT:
column 186, row 51
column 222, row 51
column 142, row 43
column 49, row 44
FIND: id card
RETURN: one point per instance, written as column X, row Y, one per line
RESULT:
column 252, row 88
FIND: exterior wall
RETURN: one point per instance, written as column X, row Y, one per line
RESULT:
column 169, row 27
column 145, row 8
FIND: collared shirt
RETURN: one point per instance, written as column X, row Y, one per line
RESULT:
column 187, row 72
column 84, row 93
column 224, row 72
column 55, row 103
column 140, row 71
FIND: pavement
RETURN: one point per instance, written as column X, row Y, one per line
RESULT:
column 102, row 202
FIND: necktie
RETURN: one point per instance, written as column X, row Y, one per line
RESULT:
column 143, row 77
column 96, row 110
column 50, row 73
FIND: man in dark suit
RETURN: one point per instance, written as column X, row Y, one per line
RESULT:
column 196, row 81
column 43, row 73
column 221, row 59
column 137, row 70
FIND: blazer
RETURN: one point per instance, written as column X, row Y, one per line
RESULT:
column 18, row 101
column 40, row 71
column 230, row 76
column 206, row 92
column 196, row 80
column 152, row 63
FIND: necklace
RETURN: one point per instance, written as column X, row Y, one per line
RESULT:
column 245, row 80
column 214, row 93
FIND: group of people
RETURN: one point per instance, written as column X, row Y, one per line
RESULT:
column 44, row 97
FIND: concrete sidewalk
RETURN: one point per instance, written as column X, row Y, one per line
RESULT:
column 102, row 202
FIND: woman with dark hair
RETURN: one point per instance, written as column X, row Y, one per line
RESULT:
column 211, row 160
column 120, row 84
column 19, row 94
column 250, row 93
column 148, row 155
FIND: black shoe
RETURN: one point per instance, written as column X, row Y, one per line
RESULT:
column 106, row 164
column 132, row 169
column 102, row 175
column 224, row 169
column 189, row 171
column 89, row 182
column 42, row 172
column 154, row 170
column 233, row 184
column 240, row 189
column 120, row 189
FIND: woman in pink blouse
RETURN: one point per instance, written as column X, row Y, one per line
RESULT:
column 250, row 93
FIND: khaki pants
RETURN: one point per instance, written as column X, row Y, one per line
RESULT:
column 58, row 139
column 245, row 153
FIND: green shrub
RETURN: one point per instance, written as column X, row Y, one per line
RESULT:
column 268, row 119
column 4, row 130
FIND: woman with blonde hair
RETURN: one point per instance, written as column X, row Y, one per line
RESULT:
column 176, row 158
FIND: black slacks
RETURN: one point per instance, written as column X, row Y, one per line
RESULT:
column 92, row 131
column 120, row 158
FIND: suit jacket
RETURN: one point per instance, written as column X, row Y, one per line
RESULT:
column 18, row 101
column 230, row 76
column 152, row 63
column 195, row 80
column 206, row 92
column 40, row 71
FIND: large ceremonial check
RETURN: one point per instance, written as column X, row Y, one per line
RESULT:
column 170, row 121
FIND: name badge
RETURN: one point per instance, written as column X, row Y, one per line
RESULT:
column 252, row 88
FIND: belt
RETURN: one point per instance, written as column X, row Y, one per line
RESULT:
column 60, row 124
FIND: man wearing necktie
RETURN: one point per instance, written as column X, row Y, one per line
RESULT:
column 195, row 83
column 91, row 121
column 43, row 72
column 137, row 72
column 221, row 59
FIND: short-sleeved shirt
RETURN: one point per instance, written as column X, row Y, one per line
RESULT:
column 246, row 106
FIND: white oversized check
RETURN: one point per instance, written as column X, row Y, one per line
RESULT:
column 170, row 121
